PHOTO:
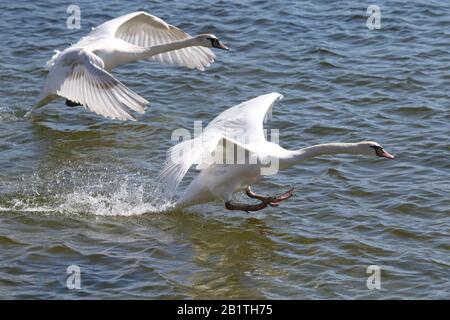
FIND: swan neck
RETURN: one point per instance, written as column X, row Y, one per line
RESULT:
column 162, row 48
column 304, row 154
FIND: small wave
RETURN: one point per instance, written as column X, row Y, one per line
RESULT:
column 325, row 51
column 328, row 64
column 408, row 110
column 7, row 241
column 325, row 130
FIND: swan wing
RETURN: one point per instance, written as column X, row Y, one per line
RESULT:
column 78, row 76
column 182, row 156
column 145, row 30
column 203, row 151
column 241, row 124
column 227, row 151
column 244, row 122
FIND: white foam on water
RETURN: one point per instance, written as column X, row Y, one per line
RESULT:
column 126, row 200
column 20, row 205
column 8, row 114
column 121, row 203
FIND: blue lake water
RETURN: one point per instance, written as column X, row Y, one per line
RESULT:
column 78, row 189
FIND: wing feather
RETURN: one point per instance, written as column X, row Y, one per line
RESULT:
column 201, row 152
column 145, row 30
column 246, row 118
column 243, row 119
column 78, row 77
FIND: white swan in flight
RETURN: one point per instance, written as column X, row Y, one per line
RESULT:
column 233, row 153
column 81, row 73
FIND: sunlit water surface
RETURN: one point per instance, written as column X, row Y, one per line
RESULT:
column 77, row 189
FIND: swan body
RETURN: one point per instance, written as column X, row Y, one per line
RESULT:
column 81, row 73
column 238, row 133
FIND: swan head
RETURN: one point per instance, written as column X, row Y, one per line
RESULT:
column 372, row 148
column 210, row 41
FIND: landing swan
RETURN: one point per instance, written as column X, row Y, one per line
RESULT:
column 223, row 152
column 81, row 73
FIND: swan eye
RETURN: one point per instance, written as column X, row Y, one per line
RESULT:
column 378, row 150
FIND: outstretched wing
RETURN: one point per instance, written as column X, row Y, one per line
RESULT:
column 246, row 118
column 202, row 152
column 244, row 122
column 79, row 77
column 182, row 156
column 145, row 30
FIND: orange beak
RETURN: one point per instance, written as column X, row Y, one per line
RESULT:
column 387, row 155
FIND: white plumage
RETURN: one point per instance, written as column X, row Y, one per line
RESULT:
column 241, row 121
column 239, row 131
column 80, row 73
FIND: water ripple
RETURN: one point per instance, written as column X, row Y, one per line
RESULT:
column 77, row 189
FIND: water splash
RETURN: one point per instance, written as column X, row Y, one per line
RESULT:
column 9, row 114
column 123, row 202
column 88, row 193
